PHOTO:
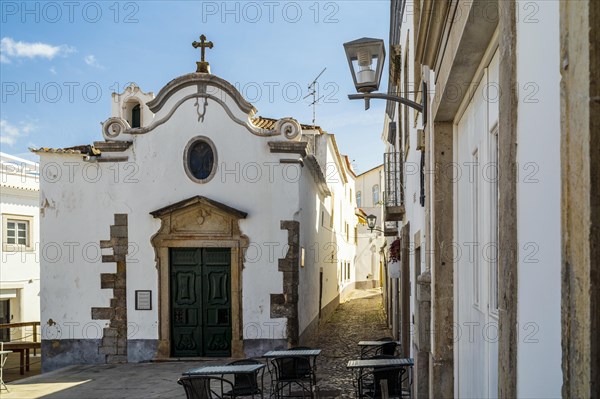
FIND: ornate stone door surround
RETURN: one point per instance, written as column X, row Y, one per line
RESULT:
column 199, row 222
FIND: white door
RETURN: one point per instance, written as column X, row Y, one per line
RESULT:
column 475, row 278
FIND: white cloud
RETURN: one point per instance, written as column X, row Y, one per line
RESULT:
column 92, row 61
column 10, row 133
column 53, row 71
column 10, row 49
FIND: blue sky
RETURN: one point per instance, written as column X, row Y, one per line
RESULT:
column 60, row 62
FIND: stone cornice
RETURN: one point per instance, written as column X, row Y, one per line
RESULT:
column 289, row 147
column 197, row 200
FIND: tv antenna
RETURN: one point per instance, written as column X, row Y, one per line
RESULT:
column 312, row 88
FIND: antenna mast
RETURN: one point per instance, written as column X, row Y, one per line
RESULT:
column 312, row 88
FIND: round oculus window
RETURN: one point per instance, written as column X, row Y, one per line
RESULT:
column 200, row 159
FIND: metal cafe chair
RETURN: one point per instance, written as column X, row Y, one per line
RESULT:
column 387, row 348
column 199, row 386
column 292, row 371
column 306, row 370
column 244, row 384
column 370, row 383
column 365, row 380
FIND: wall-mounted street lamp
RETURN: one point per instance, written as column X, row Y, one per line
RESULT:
column 371, row 222
column 366, row 57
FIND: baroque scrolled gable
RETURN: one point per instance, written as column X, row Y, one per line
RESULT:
column 204, row 87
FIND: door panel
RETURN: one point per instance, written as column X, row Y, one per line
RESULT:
column 476, row 208
column 217, row 302
column 200, row 302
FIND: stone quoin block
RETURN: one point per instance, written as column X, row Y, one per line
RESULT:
column 121, row 219
column 102, row 313
column 118, row 231
column 109, row 332
column 107, row 280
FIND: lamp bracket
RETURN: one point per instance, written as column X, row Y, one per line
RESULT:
column 422, row 108
column 368, row 96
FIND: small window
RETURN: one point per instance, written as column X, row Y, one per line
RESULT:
column 358, row 199
column 17, row 233
column 200, row 159
column 375, row 194
column 136, row 117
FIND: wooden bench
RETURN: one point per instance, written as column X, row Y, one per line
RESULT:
column 23, row 347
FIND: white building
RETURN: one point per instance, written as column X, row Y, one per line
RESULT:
column 20, row 237
column 195, row 229
column 481, row 182
column 369, row 256
column 369, row 200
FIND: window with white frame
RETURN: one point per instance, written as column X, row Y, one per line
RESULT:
column 17, row 233
column 358, row 199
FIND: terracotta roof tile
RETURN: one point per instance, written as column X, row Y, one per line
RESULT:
column 79, row 149
column 269, row 123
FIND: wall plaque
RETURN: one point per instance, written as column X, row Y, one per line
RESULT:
column 143, row 300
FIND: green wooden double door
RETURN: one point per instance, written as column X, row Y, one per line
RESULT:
column 200, row 302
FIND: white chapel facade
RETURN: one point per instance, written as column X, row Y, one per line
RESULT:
column 200, row 230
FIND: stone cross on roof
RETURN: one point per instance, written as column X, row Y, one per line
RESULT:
column 202, row 66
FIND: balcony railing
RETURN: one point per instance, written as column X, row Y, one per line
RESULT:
column 394, row 189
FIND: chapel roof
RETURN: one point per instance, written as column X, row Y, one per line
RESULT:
column 99, row 147
column 269, row 123
column 85, row 149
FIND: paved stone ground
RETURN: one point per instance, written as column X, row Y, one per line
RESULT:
column 361, row 318
column 358, row 319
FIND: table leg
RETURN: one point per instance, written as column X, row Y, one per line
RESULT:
column 27, row 359
column 22, row 362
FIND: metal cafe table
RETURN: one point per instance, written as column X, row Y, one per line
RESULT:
column 367, row 346
column 361, row 364
column 230, row 369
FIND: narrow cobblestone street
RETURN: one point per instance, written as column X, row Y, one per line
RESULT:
column 360, row 318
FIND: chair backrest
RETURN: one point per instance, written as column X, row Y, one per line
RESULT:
column 292, row 367
column 387, row 349
column 245, row 381
column 199, row 386
column 196, row 387
column 393, row 377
